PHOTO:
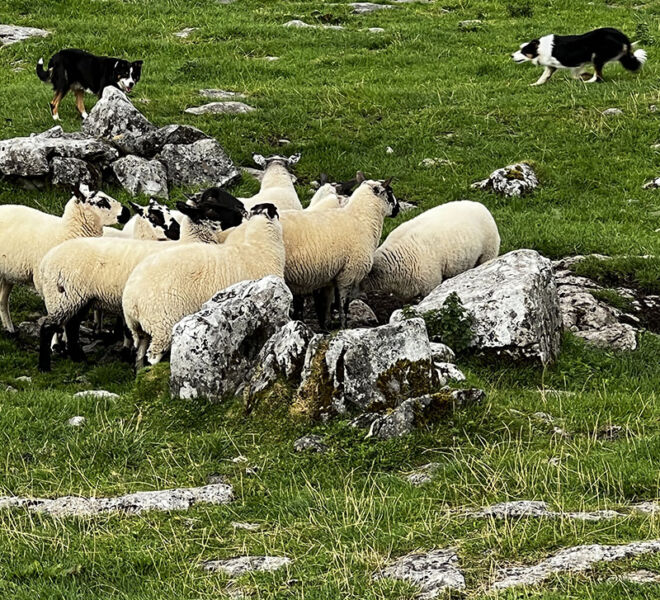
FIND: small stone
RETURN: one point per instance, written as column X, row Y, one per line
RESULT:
column 271, row 58
column 612, row 111
column 471, row 25
column 545, row 417
column 313, row 443
column 389, row 150
column 360, row 314
column 364, row 420
column 11, row 34
column 441, row 352
column 219, row 94
column 29, row 329
column 215, row 478
column 610, row 433
column 283, row 141
column 467, row 397
column 448, row 371
column 239, row 459
column 11, row 390
column 511, row 181
column 297, row 23
column 184, row 33
column 24, row 379
column 141, row 176
column 220, row 108
column 429, row 163
column 235, row 567
column 376, row 30
column 648, row 508
column 96, row 395
column 653, row 108
column 246, row 526
column 362, row 8
column 76, row 421
column 642, row 576
column 559, row 432
column 423, row 475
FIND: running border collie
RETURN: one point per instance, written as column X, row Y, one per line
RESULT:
column 574, row 52
column 79, row 71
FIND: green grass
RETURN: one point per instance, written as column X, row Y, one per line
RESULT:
column 428, row 90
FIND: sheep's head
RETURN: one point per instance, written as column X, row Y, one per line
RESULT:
column 216, row 211
column 383, row 190
column 108, row 210
column 160, row 218
column 265, row 162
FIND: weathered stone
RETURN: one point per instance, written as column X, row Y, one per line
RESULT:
column 376, row 30
column 367, row 369
column 141, row 176
column 514, row 180
column 429, row 163
column 215, row 94
column 642, row 576
column 116, row 120
column 77, row 421
column 150, row 144
column 575, row 560
column 362, row 8
column 235, row 567
column 432, row 572
column 647, row 508
column 311, row 443
column 30, row 156
column 24, row 379
column 283, row 355
column 10, row 34
column 29, row 329
column 471, row 25
column 159, row 500
column 201, row 163
column 70, row 172
column 442, row 353
column 448, row 372
column 184, row 33
column 514, row 302
column 246, row 526
column 423, row 475
column 97, row 395
column 532, row 508
column 214, row 349
column 297, row 23
column 609, row 112
column 360, row 314
column 220, row 108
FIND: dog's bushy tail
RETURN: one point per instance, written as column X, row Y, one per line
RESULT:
column 42, row 73
column 633, row 61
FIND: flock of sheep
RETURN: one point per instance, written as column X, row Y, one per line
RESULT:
column 165, row 264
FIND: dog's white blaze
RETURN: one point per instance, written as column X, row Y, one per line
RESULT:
column 545, row 58
column 640, row 55
column 128, row 82
column 41, row 61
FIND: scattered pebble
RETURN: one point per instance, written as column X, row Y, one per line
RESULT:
column 471, row 25
column 558, row 431
column 313, row 443
column 612, row 111
column 239, row 459
column 24, row 379
column 235, row 567
column 389, row 150
column 429, row 163
column 220, row 94
column 96, row 394
column 77, row 421
column 184, row 33
column 610, row 433
column 246, row 526
column 545, row 417
column 424, row 474
column 220, row 108
column 362, row 8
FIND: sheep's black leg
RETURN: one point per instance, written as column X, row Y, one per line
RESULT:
column 48, row 328
column 298, row 308
column 72, row 330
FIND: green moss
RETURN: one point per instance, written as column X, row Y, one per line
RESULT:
column 405, row 379
column 315, row 395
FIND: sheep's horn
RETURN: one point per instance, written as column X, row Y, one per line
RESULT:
column 359, row 177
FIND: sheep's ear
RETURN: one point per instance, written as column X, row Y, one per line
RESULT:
column 137, row 209
column 153, row 202
column 387, row 182
column 323, row 179
column 259, row 160
column 187, row 209
column 359, row 177
column 293, row 159
column 77, row 191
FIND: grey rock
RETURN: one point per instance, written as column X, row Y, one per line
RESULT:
column 77, row 421
column 642, row 576
column 432, row 572
column 362, row 8
column 97, row 395
column 360, row 314
column 466, row 397
column 215, row 94
column 413, row 413
column 141, row 176
column 115, row 119
column 246, row 526
column 609, row 112
column 365, row 420
column 184, row 33
column 448, row 372
column 69, row 172
column 389, row 150
column 150, row 144
column 545, row 417
column 282, row 355
column 368, row 369
column 201, row 163
column 271, row 58
column 575, row 559
column 30, row 156
column 471, row 25
column 429, row 163
column 214, row 349
column 11, row 34
column 298, row 24
column 514, row 302
column 423, row 475
column 513, row 180
column 532, row 508
column 159, row 500
column 441, row 353
column 29, row 329
column 24, row 379
column 647, row 508
column 228, row 107
column 311, row 443
column 235, row 567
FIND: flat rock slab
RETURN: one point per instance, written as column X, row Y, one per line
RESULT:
column 215, row 94
column 574, row 560
column 235, row 567
column 10, row 34
column 533, row 508
column 220, row 108
column 159, row 500
column 141, row 176
column 363, row 8
column 432, row 572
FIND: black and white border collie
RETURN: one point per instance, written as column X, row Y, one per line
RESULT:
column 79, row 71
column 575, row 52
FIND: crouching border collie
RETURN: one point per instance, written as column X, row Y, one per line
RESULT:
column 574, row 52
column 79, row 71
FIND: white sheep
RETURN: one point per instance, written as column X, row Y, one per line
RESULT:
column 152, row 222
column 332, row 250
column 277, row 183
column 28, row 234
column 440, row 243
column 84, row 273
column 333, row 195
column 172, row 284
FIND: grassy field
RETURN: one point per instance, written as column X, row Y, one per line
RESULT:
column 428, row 89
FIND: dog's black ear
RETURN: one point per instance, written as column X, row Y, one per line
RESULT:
column 137, row 67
